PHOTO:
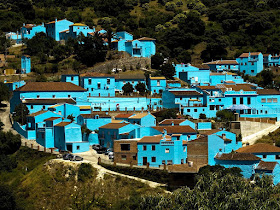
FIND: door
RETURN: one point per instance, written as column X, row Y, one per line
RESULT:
column 69, row 147
column 145, row 161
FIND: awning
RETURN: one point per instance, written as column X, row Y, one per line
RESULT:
column 239, row 107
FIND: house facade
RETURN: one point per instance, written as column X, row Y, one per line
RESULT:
column 54, row 28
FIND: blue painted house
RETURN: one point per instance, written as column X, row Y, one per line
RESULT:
column 73, row 78
column 133, row 79
column 25, row 64
column 223, row 65
column 28, row 31
column 223, row 77
column 41, row 95
column 75, row 30
column 184, row 131
column 161, row 149
column 114, row 131
column 14, row 85
column 120, row 39
column 98, row 84
column 14, row 36
column 68, row 136
column 45, row 131
column 270, row 169
column 193, row 74
column 156, row 85
column 143, row 119
column 54, row 28
column 65, row 110
column 250, row 63
column 95, row 120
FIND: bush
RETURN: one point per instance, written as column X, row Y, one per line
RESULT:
column 225, row 115
column 85, row 172
column 7, row 163
column 7, row 200
column 155, row 175
column 202, row 116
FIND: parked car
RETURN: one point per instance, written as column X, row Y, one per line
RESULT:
column 76, row 158
column 108, row 151
column 111, row 155
column 116, row 70
column 96, row 146
column 67, row 156
column 101, row 150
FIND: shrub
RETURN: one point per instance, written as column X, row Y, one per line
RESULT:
column 85, row 172
column 202, row 116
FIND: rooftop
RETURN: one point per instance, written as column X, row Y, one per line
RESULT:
column 92, row 115
column 170, row 121
column 146, row 39
column 185, row 93
column 268, row 92
column 157, row 78
column 123, row 116
column 52, row 118
column 150, row 139
column 62, row 124
column 201, row 66
column 222, row 62
column 50, row 87
column 37, row 113
column 259, row 148
column 78, row 24
column 208, row 87
column 131, row 76
column 245, row 55
column 237, row 157
column 114, row 125
column 140, row 115
column 266, row 166
column 175, row 129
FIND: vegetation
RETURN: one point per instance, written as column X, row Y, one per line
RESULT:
column 141, row 88
column 85, row 172
column 166, row 114
column 225, row 116
column 155, row 175
column 4, row 92
column 167, row 70
column 127, row 88
column 202, row 116
column 20, row 113
column 271, row 138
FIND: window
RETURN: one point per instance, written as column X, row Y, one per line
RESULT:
column 144, row 147
column 169, row 162
column 269, row 100
column 154, row 159
column 134, row 157
column 181, row 98
column 31, row 106
column 78, row 147
column 263, row 100
column 44, row 106
column 185, row 149
column 277, row 157
column 153, row 147
column 195, row 110
column 166, row 150
column 158, row 83
column 252, row 71
column 264, row 156
column 38, row 96
column 125, row 147
column 274, row 100
column 108, row 81
column 163, row 162
column 212, row 107
column 123, row 157
column 182, row 161
column 248, row 100
column 72, row 78
column 234, row 100
column 220, row 100
column 241, row 100
column 69, row 96
column 98, row 85
column 188, row 110
column 89, row 81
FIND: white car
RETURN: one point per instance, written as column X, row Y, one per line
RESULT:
column 114, row 70
column 111, row 155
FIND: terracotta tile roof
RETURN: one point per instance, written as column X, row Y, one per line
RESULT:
column 50, row 87
column 169, row 121
column 62, row 124
column 259, row 148
column 92, row 115
column 95, row 74
column 225, row 139
column 208, row 87
column 140, row 115
column 237, row 157
column 28, row 26
column 201, row 66
column 230, row 82
column 245, row 55
column 150, row 139
column 172, row 81
column 37, row 113
column 123, row 116
column 52, row 118
column 266, row 166
column 268, row 92
column 131, row 76
column 49, row 101
column 175, row 129
column 116, row 121
column 212, row 131
column 237, row 87
column 114, row 125
column 223, row 62
column 146, row 39
column 185, row 142
column 266, row 55
column 185, row 93
column 78, row 24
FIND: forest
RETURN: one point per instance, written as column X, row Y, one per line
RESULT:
column 186, row 30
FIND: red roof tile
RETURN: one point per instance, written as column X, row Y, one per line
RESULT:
column 62, row 124
column 237, row 157
column 266, row 166
column 150, row 139
column 50, row 87
column 259, row 148
column 123, row 116
column 52, row 118
column 95, row 74
column 268, row 92
column 175, row 129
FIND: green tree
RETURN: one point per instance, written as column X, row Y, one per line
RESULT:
column 7, row 199
column 9, row 143
column 71, row 117
column 225, row 115
column 202, row 116
column 167, row 70
column 156, row 61
column 141, row 87
column 85, row 172
column 127, row 88
column 20, row 113
column 4, row 92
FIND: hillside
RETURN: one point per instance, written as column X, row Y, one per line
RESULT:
column 41, row 183
column 229, row 27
